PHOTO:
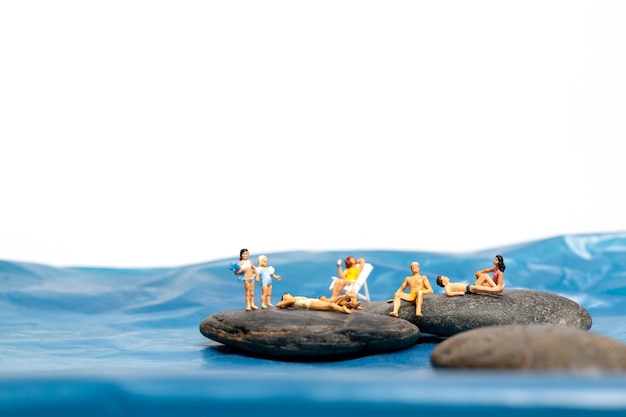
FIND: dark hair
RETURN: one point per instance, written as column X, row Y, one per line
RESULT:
column 241, row 253
column 439, row 281
column 501, row 265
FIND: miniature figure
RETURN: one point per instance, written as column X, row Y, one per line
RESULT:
column 348, row 299
column 266, row 273
column 418, row 287
column 249, row 273
column 458, row 288
column 298, row 302
column 347, row 276
column 483, row 279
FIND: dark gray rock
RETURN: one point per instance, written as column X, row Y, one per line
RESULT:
column 306, row 335
column 534, row 347
column 447, row 316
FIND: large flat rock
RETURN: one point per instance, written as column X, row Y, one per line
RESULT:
column 307, row 335
column 531, row 347
column 447, row 316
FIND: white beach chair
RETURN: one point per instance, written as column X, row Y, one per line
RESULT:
column 360, row 282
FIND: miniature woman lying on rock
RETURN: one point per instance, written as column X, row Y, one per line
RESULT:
column 306, row 303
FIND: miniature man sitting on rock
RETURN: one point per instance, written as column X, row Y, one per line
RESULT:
column 418, row 286
column 459, row 288
column 306, row 303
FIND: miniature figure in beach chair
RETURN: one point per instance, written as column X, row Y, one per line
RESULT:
column 352, row 279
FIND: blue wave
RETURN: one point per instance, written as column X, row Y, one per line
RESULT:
column 111, row 322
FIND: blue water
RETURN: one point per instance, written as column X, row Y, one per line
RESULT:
column 125, row 342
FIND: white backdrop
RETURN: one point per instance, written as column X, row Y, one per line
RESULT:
column 162, row 133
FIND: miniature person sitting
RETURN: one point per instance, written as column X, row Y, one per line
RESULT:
column 418, row 286
column 482, row 277
column 458, row 288
column 347, row 276
column 306, row 303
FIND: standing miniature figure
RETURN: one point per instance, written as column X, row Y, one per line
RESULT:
column 458, row 288
column 298, row 302
column 249, row 273
column 348, row 276
column 418, row 286
column 266, row 273
column 483, row 279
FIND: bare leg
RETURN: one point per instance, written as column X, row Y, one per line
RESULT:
column 337, row 287
column 396, row 305
column 418, row 303
column 246, row 286
column 484, row 280
column 269, row 295
column 250, row 288
column 263, row 296
column 329, row 306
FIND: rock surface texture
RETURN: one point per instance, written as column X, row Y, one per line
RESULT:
column 531, row 347
column 447, row 316
column 305, row 335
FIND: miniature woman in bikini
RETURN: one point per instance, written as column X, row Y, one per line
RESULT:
column 266, row 273
column 249, row 272
column 305, row 303
column 483, row 279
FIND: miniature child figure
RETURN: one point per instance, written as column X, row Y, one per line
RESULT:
column 348, row 276
column 483, row 279
column 458, row 288
column 266, row 273
column 249, row 273
column 298, row 302
column 418, row 286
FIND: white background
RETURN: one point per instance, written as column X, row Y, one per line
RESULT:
column 162, row 133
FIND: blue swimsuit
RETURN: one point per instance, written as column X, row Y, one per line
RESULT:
column 266, row 275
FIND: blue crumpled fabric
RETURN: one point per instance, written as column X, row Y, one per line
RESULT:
column 125, row 342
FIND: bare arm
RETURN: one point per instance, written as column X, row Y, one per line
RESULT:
column 340, row 271
column 404, row 285
column 428, row 289
column 360, row 263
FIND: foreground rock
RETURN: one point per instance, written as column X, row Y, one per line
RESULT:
column 535, row 347
column 305, row 335
column 447, row 316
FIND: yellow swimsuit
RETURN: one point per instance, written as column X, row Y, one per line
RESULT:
column 352, row 273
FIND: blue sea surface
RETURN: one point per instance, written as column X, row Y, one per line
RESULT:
column 79, row 341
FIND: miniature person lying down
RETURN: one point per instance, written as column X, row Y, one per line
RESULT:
column 348, row 299
column 459, row 288
column 306, row 303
